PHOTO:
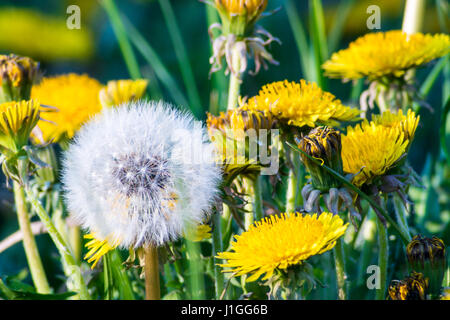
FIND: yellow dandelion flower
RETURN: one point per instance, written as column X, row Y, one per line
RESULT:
column 390, row 53
column 301, row 104
column 277, row 242
column 17, row 120
column 42, row 36
column 75, row 96
column 98, row 248
column 408, row 123
column 121, row 91
column 371, row 149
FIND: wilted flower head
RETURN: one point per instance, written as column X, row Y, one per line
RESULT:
column 278, row 242
column 17, row 75
column 75, row 96
column 323, row 144
column 427, row 255
column 301, row 104
column 240, row 38
column 386, row 54
column 121, row 91
column 130, row 175
column 413, row 287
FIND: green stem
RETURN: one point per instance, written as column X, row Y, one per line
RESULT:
column 71, row 269
column 400, row 213
column 293, row 184
column 219, row 279
column 124, row 44
column 383, row 254
column 235, row 81
column 413, row 16
column 341, row 276
column 253, row 207
column 29, row 242
column 151, row 270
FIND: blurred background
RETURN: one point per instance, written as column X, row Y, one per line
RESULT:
column 37, row 28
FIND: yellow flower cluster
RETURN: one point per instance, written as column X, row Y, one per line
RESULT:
column 370, row 149
column 43, row 37
column 391, row 53
column 301, row 104
column 277, row 242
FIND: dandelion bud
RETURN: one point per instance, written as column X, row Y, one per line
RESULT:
column 427, row 255
column 411, row 288
column 239, row 15
column 324, row 145
column 16, row 76
column 17, row 120
column 121, row 91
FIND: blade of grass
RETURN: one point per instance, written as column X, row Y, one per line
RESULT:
column 442, row 8
column 338, row 24
column 318, row 39
column 300, row 38
column 121, row 35
column 219, row 80
column 183, row 60
column 155, row 62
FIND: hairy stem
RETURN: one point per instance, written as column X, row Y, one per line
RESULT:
column 75, row 279
column 234, row 88
column 151, row 270
column 219, row 279
column 29, row 242
column 383, row 254
column 400, row 213
column 341, row 275
column 253, row 207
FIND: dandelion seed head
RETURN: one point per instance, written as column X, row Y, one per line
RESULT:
column 128, row 178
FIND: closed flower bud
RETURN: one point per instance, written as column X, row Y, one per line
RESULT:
column 17, row 75
column 324, row 145
column 427, row 255
column 413, row 287
column 240, row 15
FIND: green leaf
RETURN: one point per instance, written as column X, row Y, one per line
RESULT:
column 155, row 62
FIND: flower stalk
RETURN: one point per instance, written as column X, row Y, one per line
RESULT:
column 151, row 270
column 71, row 268
column 383, row 255
column 341, row 275
column 29, row 242
column 234, row 88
